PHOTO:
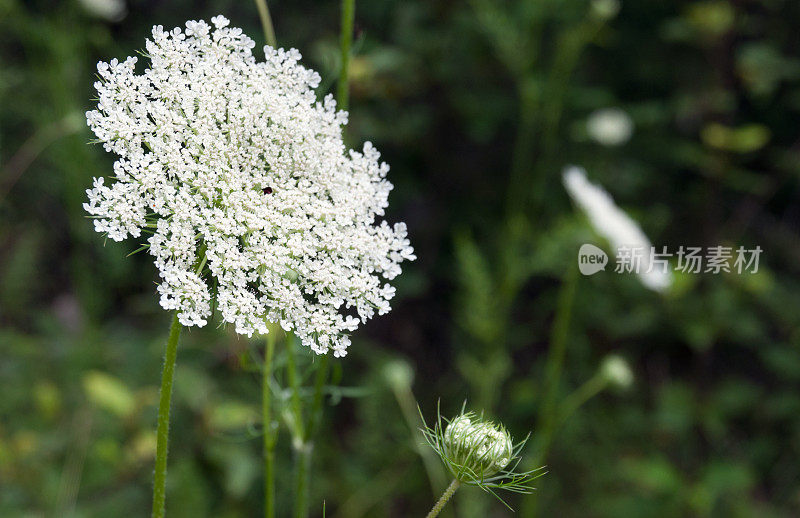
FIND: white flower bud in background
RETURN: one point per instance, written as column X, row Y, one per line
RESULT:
column 609, row 126
column 479, row 447
column 111, row 10
column 605, row 9
column 616, row 371
column 398, row 374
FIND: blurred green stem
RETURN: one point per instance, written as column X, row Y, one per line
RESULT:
column 296, row 405
column 571, row 43
column 451, row 489
column 433, row 468
column 162, row 434
column 345, row 42
column 266, row 23
column 523, row 155
column 302, row 463
column 316, row 403
column 555, row 357
column 269, row 432
column 582, row 394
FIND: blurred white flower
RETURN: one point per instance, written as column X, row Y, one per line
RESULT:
column 614, row 224
column 616, row 371
column 111, row 10
column 244, row 182
column 609, row 126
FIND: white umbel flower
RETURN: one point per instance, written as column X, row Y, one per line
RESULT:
column 244, row 181
column 614, row 224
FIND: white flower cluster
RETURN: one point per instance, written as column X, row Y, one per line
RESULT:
column 244, row 182
column 480, row 446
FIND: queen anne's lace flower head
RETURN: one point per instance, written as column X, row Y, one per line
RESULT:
column 244, row 182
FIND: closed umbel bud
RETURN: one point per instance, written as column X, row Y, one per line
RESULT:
column 479, row 448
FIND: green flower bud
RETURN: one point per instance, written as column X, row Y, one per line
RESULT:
column 476, row 447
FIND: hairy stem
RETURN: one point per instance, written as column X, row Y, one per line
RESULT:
column 449, row 492
column 269, row 432
column 162, row 434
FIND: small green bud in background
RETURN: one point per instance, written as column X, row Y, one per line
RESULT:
column 605, row 9
column 616, row 371
column 398, row 374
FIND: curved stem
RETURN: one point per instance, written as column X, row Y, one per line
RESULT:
column 449, row 492
column 266, row 23
column 269, row 433
column 162, row 434
column 345, row 42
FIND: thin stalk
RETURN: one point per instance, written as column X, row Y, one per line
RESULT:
column 162, row 433
column 571, row 44
column 316, row 402
column 295, row 402
column 269, row 432
column 266, row 23
column 582, row 394
column 433, row 468
column 524, row 143
column 345, row 42
column 302, row 452
column 556, row 354
column 451, row 489
column 302, row 464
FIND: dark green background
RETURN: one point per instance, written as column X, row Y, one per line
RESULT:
column 456, row 95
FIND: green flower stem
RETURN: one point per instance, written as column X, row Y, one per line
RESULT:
column 266, row 23
column 167, row 376
column 345, row 42
column 451, row 489
column 407, row 402
column 582, row 394
column 269, row 432
column 316, row 403
column 302, row 450
column 555, row 357
column 295, row 403
column 302, row 460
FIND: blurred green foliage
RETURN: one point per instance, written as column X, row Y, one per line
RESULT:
column 477, row 106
